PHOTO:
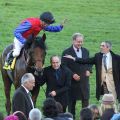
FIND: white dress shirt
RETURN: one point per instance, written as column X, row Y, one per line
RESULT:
column 108, row 58
column 78, row 52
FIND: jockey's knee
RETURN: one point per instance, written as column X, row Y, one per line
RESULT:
column 16, row 53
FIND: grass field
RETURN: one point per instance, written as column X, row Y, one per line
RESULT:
column 98, row 20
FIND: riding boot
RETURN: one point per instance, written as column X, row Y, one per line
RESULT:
column 9, row 61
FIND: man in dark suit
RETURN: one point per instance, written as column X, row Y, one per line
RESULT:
column 80, row 81
column 58, row 80
column 22, row 100
column 107, row 66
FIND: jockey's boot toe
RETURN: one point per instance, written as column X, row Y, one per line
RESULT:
column 7, row 67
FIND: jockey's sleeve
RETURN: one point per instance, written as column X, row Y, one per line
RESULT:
column 57, row 28
column 21, row 29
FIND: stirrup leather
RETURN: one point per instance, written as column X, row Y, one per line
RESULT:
column 13, row 63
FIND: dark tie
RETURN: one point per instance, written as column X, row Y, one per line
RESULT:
column 57, row 74
column 78, row 50
column 30, row 97
column 29, row 93
column 105, row 62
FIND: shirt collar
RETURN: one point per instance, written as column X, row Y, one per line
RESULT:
column 107, row 54
column 75, row 48
column 25, row 89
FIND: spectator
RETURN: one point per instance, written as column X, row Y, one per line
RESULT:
column 116, row 117
column 35, row 114
column 95, row 111
column 107, row 66
column 86, row 114
column 22, row 100
column 80, row 82
column 50, row 108
column 107, row 114
column 48, row 119
column 58, row 81
column 20, row 115
column 62, row 114
column 11, row 117
column 108, row 102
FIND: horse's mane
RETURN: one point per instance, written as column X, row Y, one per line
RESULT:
column 37, row 42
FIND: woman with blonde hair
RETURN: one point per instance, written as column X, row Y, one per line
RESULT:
column 108, row 102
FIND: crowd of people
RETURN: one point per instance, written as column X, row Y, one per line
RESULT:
column 66, row 79
column 53, row 110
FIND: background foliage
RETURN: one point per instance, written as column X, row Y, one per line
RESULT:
column 98, row 20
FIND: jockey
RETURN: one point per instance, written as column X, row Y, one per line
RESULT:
column 28, row 27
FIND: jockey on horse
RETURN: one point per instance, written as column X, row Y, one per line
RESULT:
column 28, row 27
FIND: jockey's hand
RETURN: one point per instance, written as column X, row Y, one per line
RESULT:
column 64, row 22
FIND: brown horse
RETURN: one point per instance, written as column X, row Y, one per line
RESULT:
column 30, row 60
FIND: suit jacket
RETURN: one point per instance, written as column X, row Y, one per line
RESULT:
column 82, row 86
column 21, row 101
column 61, row 86
column 97, row 60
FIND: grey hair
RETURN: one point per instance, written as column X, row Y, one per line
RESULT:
column 75, row 35
column 108, row 44
column 27, row 77
column 35, row 114
column 55, row 56
column 48, row 119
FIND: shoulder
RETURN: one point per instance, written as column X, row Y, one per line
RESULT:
column 115, row 56
column 68, row 49
column 19, row 92
column 98, row 54
column 83, row 48
column 47, row 69
column 65, row 69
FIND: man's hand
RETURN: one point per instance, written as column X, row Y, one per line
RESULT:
column 87, row 73
column 53, row 93
column 76, row 77
column 69, row 56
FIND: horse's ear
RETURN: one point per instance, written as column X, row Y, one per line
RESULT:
column 43, row 37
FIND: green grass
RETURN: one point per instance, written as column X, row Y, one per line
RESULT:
column 98, row 20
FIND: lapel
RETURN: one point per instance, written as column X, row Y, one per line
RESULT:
column 27, row 96
column 72, row 52
column 83, row 52
column 113, row 61
column 99, row 59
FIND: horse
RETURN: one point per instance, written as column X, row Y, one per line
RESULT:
column 31, row 59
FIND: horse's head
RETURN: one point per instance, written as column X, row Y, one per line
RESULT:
column 36, row 55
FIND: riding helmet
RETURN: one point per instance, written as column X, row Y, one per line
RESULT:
column 47, row 17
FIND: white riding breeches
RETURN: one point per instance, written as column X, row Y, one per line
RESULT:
column 17, row 47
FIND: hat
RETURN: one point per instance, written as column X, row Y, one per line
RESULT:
column 108, row 99
column 47, row 17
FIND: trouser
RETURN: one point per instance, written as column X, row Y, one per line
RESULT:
column 72, row 104
column 17, row 47
column 64, row 108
